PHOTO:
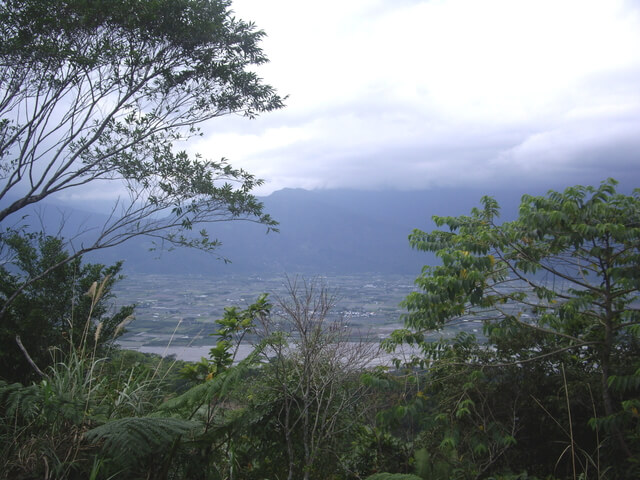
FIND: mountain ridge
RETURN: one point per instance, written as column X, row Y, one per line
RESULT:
column 321, row 232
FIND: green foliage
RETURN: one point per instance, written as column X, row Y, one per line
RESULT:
column 312, row 374
column 42, row 424
column 116, row 416
column 430, row 468
column 54, row 315
column 131, row 441
column 374, row 449
column 220, row 386
column 234, row 326
column 393, row 476
column 104, row 91
column 126, row 369
column 206, row 451
column 555, row 288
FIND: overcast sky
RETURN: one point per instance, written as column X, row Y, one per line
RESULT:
column 414, row 94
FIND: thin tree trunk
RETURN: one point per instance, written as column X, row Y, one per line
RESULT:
column 606, row 391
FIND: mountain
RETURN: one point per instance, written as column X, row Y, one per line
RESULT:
column 321, row 232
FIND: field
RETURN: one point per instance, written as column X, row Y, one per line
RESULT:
column 176, row 313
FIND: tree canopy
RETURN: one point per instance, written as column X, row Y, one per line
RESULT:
column 66, row 310
column 99, row 93
column 557, row 286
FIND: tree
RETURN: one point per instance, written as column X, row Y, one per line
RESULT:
column 98, row 93
column 313, row 373
column 558, row 284
column 55, row 312
column 205, row 424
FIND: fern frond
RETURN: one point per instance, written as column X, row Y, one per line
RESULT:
column 625, row 383
column 219, row 386
column 131, row 439
column 17, row 400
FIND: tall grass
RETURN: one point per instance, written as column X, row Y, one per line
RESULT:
column 42, row 425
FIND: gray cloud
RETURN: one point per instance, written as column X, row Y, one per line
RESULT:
column 456, row 93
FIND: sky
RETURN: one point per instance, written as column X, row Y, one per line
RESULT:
column 411, row 94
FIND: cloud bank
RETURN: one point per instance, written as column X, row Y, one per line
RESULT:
column 416, row 94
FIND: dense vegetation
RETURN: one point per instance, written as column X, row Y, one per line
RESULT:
column 551, row 390
column 554, row 388
column 90, row 94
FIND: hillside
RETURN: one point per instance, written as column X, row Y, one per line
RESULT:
column 324, row 231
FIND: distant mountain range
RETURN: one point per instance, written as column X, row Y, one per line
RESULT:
column 321, row 232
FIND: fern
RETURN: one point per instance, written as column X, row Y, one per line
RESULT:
column 129, row 440
column 219, row 386
column 625, row 383
column 17, row 400
column 393, row 476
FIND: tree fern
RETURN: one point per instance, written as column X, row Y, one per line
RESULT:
column 130, row 440
column 18, row 400
column 219, row 386
column 393, row 476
